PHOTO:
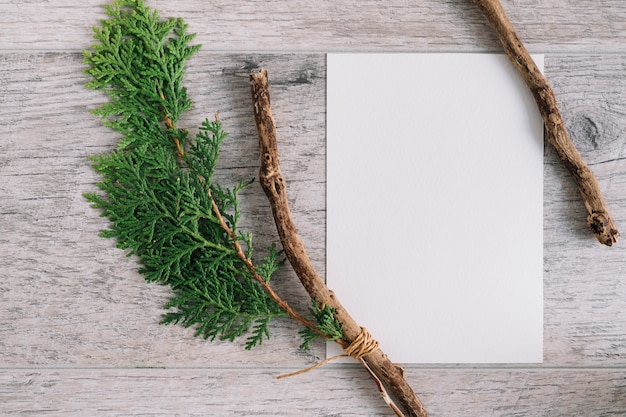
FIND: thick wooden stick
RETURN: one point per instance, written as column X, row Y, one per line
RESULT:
column 273, row 184
column 599, row 218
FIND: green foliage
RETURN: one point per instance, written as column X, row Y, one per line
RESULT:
column 160, row 200
column 139, row 61
column 326, row 322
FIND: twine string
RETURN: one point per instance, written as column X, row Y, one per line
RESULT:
column 362, row 345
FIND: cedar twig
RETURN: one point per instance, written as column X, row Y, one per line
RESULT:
column 599, row 218
column 273, row 184
column 238, row 249
column 257, row 277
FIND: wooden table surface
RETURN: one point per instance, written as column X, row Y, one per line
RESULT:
column 79, row 332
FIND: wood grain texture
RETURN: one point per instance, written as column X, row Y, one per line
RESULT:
column 337, row 25
column 236, row 392
column 78, row 325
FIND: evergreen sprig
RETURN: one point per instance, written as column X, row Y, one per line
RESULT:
column 157, row 186
column 327, row 324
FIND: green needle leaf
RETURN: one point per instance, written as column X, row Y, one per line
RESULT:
column 157, row 188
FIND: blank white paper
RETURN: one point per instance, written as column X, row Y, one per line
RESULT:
column 435, row 205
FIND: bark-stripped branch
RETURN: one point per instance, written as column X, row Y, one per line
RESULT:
column 599, row 218
column 274, row 186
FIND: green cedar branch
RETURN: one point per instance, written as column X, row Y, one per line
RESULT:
column 261, row 280
column 599, row 218
column 274, row 186
column 158, row 189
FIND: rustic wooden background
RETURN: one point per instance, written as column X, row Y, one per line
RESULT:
column 79, row 333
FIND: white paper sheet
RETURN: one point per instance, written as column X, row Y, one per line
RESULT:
column 435, row 204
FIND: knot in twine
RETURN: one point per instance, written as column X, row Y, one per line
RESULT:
column 362, row 345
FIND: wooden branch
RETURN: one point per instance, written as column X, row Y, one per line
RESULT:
column 599, row 218
column 273, row 184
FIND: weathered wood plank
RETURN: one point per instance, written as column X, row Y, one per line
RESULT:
column 331, row 391
column 72, row 298
column 583, row 283
column 334, row 25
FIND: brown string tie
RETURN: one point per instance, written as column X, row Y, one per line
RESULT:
column 362, row 345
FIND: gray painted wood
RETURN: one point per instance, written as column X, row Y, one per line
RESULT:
column 79, row 331
column 338, row 25
column 332, row 391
